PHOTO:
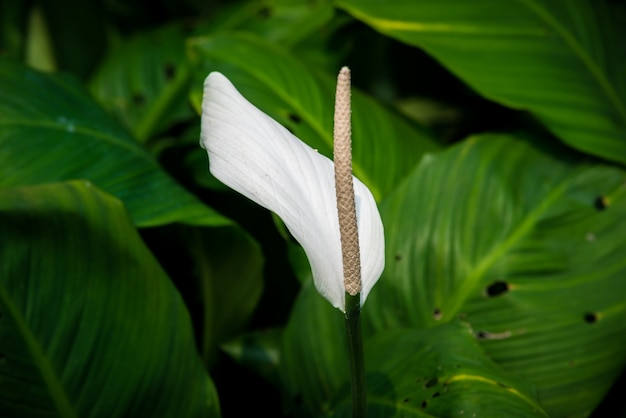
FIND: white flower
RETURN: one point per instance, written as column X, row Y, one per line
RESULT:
column 256, row 156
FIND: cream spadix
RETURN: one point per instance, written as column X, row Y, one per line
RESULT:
column 256, row 156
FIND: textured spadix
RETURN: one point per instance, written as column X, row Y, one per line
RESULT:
column 256, row 156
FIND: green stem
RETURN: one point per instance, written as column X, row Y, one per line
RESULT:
column 355, row 354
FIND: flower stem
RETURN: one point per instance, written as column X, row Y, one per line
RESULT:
column 355, row 355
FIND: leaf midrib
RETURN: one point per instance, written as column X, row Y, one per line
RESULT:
column 474, row 279
column 48, row 374
column 411, row 26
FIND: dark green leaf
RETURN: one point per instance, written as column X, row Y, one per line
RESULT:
column 90, row 325
column 78, row 33
column 439, row 372
column 229, row 267
column 288, row 22
column 13, row 28
column 50, row 130
column 285, row 22
column 525, row 243
column 314, row 360
column 385, row 146
column 558, row 59
column 144, row 81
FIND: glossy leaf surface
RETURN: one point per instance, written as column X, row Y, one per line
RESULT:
column 144, row 81
column 523, row 242
column 51, row 130
column 560, row 60
column 90, row 325
column 439, row 372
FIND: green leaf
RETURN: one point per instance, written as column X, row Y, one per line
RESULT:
column 385, row 145
column 90, row 325
column 230, row 270
column 78, row 32
column 220, row 273
column 289, row 22
column 404, row 369
column 144, row 81
column 314, row 360
column 516, row 238
column 438, row 372
column 14, row 18
column 558, row 59
column 286, row 22
column 51, row 130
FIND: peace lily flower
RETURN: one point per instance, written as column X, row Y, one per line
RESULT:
column 256, row 156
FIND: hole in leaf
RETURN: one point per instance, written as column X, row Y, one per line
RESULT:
column 437, row 314
column 591, row 317
column 436, row 394
column 497, row 288
column 294, row 118
column 431, row 382
column 486, row 335
column 424, row 404
column 139, row 99
column 601, row 203
column 169, row 71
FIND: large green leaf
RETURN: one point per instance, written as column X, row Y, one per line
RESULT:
column 90, row 325
column 558, row 59
column 144, row 81
column 50, row 130
column 433, row 372
column 439, row 372
column 386, row 146
column 517, row 240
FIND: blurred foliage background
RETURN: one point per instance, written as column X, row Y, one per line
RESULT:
column 491, row 132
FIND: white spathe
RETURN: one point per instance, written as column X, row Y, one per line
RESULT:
column 256, row 156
